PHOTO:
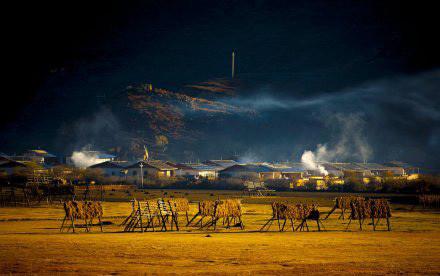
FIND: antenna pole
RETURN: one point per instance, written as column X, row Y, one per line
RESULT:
column 233, row 64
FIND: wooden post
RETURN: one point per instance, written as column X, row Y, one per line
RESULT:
column 279, row 225
column 372, row 220
column 73, row 224
column 331, row 211
column 269, row 223
column 140, row 216
column 62, row 224
column 100, row 223
column 284, row 224
column 241, row 223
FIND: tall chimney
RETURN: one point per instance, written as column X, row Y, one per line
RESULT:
column 233, row 64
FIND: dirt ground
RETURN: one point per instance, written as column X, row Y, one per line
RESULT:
column 30, row 242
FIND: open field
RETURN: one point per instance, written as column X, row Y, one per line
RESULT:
column 30, row 242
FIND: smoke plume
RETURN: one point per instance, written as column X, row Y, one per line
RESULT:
column 350, row 143
column 84, row 159
column 310, row 161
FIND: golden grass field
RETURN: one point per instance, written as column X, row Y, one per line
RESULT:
column 30, row 243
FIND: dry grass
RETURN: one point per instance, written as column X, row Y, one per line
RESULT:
column 30, row 243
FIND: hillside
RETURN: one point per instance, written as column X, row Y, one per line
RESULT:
column 168, row 121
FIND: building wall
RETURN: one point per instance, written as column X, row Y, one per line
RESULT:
column 211, row 175
column 186, row 173
column 133, row 174
column 270, row 175
column 389, row 172
column 251, row 175
column 293, row 175
column 110, row 171
column 355, row 174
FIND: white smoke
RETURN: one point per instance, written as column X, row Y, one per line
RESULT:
column 350, row 144
column 83, row 159
column 310, row 159
column 248, row 157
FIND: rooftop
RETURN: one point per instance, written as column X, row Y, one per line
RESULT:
column 249, row 168
column 39, row 152
column 108, row 165
column 12, row 164
column 157, row 164
column 221, row 163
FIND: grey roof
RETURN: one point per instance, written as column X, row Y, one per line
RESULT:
column 39, row 152
column 4, row 158
column 180, row 166
column 107, row 165
column 221, row 163
column 249, row 168
column 331, row 167
column 399, row 164
column 204, row 167
column 12, row 164
column 372, row 166
column 290, row 170
column 348, row 166
column 157, row 164
column 295, row 165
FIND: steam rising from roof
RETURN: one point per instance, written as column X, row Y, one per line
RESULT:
column 84, row 160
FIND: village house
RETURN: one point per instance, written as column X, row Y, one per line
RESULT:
column 37, row 156
column 250, row 172
column 205, row 171
column 183, row 170
column 351, row 170
column 407, row 168
column 292, row 173
column 381, row 170
column 318, row 182
column 333, row 169
column 153, row 169
column 110, row 168
column 195, row 171
column 10, row 166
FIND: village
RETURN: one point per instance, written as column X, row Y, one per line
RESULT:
column 106, row 168
column 135, row 213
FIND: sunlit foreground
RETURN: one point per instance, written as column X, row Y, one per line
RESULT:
column 30, row 242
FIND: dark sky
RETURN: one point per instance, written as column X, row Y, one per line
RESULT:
column 375, row 60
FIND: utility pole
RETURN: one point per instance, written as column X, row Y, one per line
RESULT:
column 142, row 175
column 233, row 64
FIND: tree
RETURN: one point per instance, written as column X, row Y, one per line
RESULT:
column 354, row 185
column 162, row 142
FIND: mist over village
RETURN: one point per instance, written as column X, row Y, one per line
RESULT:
column 235, row 137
